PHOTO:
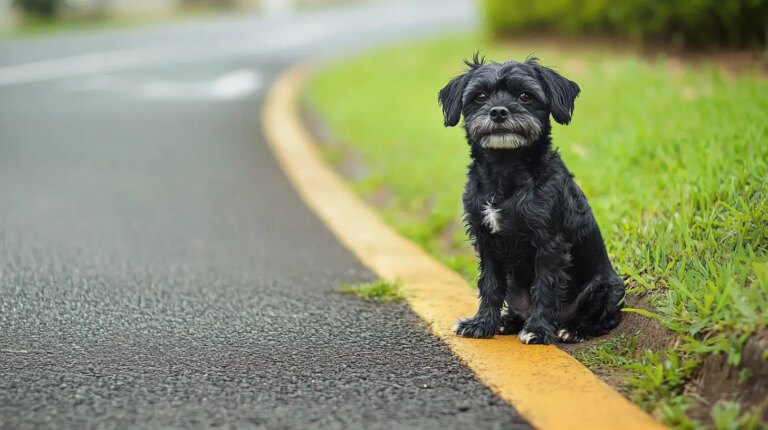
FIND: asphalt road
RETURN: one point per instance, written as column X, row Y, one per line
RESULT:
column 156, row 268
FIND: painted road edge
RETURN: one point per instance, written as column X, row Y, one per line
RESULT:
column 548, row 387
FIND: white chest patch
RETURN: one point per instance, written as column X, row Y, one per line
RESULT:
column 492, row 217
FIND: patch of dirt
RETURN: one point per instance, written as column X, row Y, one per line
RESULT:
column 650, row 336
column 715, row 380
column 315, row 125
column 650, row 333
column 615, row 377
column 381, row 197
column 351, row 165
column 746, row 383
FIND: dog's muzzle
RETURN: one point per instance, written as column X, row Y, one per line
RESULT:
column 509, row 132
column 503, row 140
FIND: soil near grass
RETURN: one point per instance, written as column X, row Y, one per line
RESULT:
column 649, row 334
column 715, row 380
column 746, row 383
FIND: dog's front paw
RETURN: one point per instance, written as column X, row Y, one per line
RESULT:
column 570, row 336
column 534, row 335
column 475, row 328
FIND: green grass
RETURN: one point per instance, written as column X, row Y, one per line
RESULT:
column 378, row 291
column 613, row 353
column 674, row 160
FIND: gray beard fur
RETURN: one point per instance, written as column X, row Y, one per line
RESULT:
column 513, row 133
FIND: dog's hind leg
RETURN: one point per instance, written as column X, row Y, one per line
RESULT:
column 598, row 310
column 492, row 286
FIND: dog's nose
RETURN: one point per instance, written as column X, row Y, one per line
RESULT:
column 499, row 113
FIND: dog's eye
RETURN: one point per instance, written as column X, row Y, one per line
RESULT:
column 480, row 97
column 525, row 97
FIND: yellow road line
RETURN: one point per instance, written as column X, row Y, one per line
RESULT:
column 547, row 386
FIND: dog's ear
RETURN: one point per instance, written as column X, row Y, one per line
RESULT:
column 450, row 97
column 560, row 91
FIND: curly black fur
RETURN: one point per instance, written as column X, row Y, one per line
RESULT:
column 539, row 247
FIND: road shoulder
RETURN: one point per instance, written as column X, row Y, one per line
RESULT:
column 547, row 386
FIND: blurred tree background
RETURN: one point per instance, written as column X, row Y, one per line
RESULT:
column 39, row 8
column 680, row 23
column 54, row 11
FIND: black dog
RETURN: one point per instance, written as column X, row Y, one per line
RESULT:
column 539, row 246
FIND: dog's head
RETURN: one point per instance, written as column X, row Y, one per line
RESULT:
column 507, row 105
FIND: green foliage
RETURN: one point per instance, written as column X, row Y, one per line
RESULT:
column 39, row 8
column 379, row 291
column 611, row 353
column 729, row 416
column 659, row 383
column 683, row 22
column 673, row 160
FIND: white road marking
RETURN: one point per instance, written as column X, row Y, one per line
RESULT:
column 75, row 66
column 112, row 61
column 230, row 86
column 235, row 85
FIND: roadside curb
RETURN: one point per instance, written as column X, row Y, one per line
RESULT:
column 548, row 387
